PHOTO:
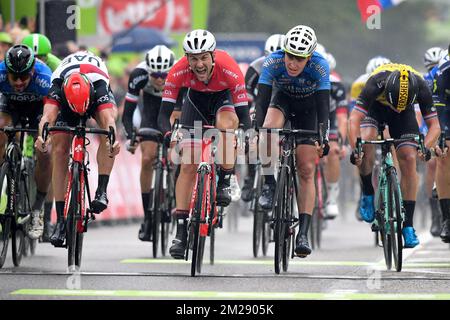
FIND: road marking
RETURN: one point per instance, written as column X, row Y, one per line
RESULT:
column 348, row 295
column 378, row 265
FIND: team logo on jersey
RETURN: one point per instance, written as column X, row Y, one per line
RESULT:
column 403, row 91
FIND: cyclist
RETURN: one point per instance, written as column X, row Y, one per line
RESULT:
column 294, row 85
column 388, row 98
column 338, row 132
column 149, row 77
column 273, row 43
column 42, row 48
column 80, row 88
column 441, row 98
column 355, row 91
column 215, row 96
column 24, row 85
column 431, row 59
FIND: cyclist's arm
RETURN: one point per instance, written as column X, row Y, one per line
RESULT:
column 138, row 79
column 439, row 100
column 251, row 82
column 341, row 109
column 164, row 116
column 49, row 115
column 262, row 102
column 429, row 113
column 322, row 98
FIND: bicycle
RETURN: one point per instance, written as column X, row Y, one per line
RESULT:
column 284, row 222
column 15, row 208
column 163, row 190
column 77, row 216
column 389, row 210
column 203, row 210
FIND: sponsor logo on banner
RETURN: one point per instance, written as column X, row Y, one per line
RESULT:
column 115, row 16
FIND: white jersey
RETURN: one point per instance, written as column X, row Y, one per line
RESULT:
column 84, row 62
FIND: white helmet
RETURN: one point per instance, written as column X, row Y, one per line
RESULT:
column 375, row 62
column 321, row 49
column 331, row 61
column 274, row 43
column 199, row 41
column 300, row 41
column 432, row 57
column 159, row 59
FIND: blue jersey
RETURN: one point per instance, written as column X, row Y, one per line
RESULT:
column 36, row 90
column 430, row 75
column 314, row 77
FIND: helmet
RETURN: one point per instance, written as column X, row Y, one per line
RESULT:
column 39, row 43
column 401, row 89
column 331, row 61
column 159, row 59
column 78, row 91
column 199, row 41
column 432, row 57
column 321, row 49
column 274, row 43
column 300, row 41
column 375, row 62
column 19, row 59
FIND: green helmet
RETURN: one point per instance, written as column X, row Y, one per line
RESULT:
column 39, row 43
column 5, row 38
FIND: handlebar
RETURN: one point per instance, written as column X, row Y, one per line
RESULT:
column 81, row 131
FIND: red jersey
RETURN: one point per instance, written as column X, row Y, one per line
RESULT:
column 225, row 75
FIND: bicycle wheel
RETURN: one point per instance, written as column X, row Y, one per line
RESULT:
column 200, row 253
column 195, row 223
column 279, row 228
column 289, row 219
column 385, row 239
column 29, row 247
column 267, row 232
column 71, row 225
column 5, row 220
column 258, row 217
column 17, row 243
column 212, row 242
column 158, row 197
column 395, row 219
column 166, row 213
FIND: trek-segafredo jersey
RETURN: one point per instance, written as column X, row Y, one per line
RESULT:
column 140, row 80
column 36, row 90
column 314, row 77
column 84, row 62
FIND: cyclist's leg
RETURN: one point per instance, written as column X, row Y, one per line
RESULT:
column 443, row 185
column 226, row 118
column 105, row 115
column 275, row 118
column 60, row 154
column 5, row 120
column 404, row 125
column 148, row 150
column 332, row 169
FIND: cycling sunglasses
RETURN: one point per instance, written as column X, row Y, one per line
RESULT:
column 161, row 75
column 22, row 77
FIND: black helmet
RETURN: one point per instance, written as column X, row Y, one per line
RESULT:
column 19, row 59
column 401, row 89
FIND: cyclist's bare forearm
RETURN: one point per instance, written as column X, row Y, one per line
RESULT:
column 49, row 116
column 354, row 130
column 434, row 130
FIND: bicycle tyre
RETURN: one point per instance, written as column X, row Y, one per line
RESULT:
column 288, row 218
column 74, row 208
column 166, row 220
column 17, row 243
column 200, row 253
column 395, row 219
column 156, row 210
column 195, row 223
column 5, row 221
column 212, row 243
column 266, row 234
column 258, row 219
column 278, row 225
column 385, row 240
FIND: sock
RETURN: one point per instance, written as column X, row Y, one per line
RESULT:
column 304, row 221
column 251, row 170
column 445, row 208
column 59, row 205
column 366, row 185
column 225, row 175
column 48, row 211
column 40, row 198
column 333, row 191
column 146, row 197
column 434, row 204
column 103, row 180
column 269, row 179
column 181, row 214
column 409, row 212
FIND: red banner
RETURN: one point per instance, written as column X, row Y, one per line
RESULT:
column 174, row 15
